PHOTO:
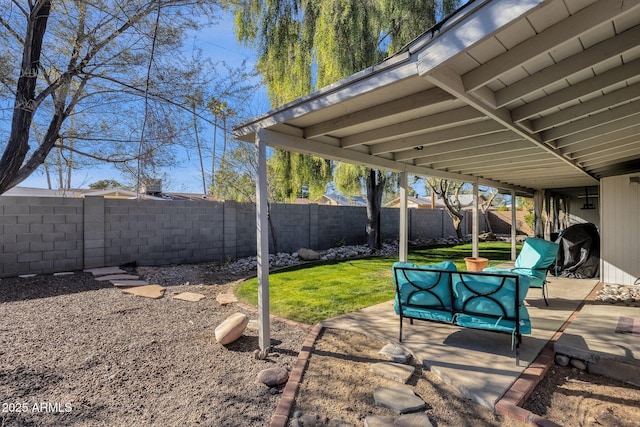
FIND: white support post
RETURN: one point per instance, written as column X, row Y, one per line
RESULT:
column 404, row 219
column 476, row 223
column 262, row 231
column 513, row 225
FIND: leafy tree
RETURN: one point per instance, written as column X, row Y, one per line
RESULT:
column 105, row 184
column 111, row 65
column 304, row 44
column 486, row 204
column 449, row 192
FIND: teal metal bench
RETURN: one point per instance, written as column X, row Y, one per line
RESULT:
column 479, row 300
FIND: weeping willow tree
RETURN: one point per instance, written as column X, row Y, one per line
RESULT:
column 306, row 44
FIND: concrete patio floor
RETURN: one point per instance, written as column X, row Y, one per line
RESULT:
column 480, row 364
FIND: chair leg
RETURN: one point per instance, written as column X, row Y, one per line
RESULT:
column 544, row 294
column 400, row 338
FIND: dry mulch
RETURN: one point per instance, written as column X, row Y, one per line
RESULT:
column 75, row 351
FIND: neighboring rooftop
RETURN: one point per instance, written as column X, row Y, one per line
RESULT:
column 112, row 193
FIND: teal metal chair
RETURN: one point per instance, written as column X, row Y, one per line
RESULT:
column 533, row 261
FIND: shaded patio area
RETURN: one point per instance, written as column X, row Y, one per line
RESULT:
column 481, row 364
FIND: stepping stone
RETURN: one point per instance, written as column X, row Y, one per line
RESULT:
column 379, row 421
column 149, row 291
column 419, row 419
column 393, row 371
column 63, row 273
column 117, row 277
column 224, row 299
column 102, row 271
column 395, row 353
column 128, row 283
column 189, row 296
column 399, row 398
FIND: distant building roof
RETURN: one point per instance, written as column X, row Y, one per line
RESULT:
column 466, row 201
column 112, row 193
column 340, row 200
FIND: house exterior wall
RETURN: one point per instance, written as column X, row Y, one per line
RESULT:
column 52, row 234
column 620, row 230
column 577, row 215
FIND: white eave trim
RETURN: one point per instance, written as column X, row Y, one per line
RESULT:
column 388, row 72
column 472, row 29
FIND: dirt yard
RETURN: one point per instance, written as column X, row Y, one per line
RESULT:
column 78, row 352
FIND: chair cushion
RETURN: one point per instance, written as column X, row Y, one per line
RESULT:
column 421, row 287
column 528, row 277
column 490, row 296
column 537, row 254
column 491, row 324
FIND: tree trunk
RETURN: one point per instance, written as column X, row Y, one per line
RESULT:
column 375, row 187
column 24, row 107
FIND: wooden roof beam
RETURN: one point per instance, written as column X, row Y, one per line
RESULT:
column 567, row 29
column 612, row 99
column 592, row 123
column 413, row 127
column 451, row 134
column 571, row 93
column 588, row 58
column 458, row 146
column 418, row 100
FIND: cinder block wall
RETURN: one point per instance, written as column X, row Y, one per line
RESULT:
column 40, row 234
column 48, row 234
column 163, row 232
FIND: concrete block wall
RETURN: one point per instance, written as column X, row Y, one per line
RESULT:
column 47, row 235
column 429, row 224
column 40, row 234
column 163, row 232
column 292, row 224
column 341, row 225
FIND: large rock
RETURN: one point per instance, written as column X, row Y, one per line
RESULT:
column 273, row 376
column 308, row 254
column 232, row 328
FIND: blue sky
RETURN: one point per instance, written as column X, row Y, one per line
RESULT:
column 217, row 42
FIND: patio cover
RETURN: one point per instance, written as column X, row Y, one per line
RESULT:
column 521, row 95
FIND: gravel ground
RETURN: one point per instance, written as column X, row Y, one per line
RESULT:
column 75, row 351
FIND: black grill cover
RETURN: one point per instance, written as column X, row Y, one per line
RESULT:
column 579, row 254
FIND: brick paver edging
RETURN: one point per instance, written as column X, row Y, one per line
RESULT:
column 281, row 416
column 522, row 388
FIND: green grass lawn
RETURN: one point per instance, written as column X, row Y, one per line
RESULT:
column 313, row 292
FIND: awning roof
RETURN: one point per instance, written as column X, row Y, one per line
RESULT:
column 525, row 94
